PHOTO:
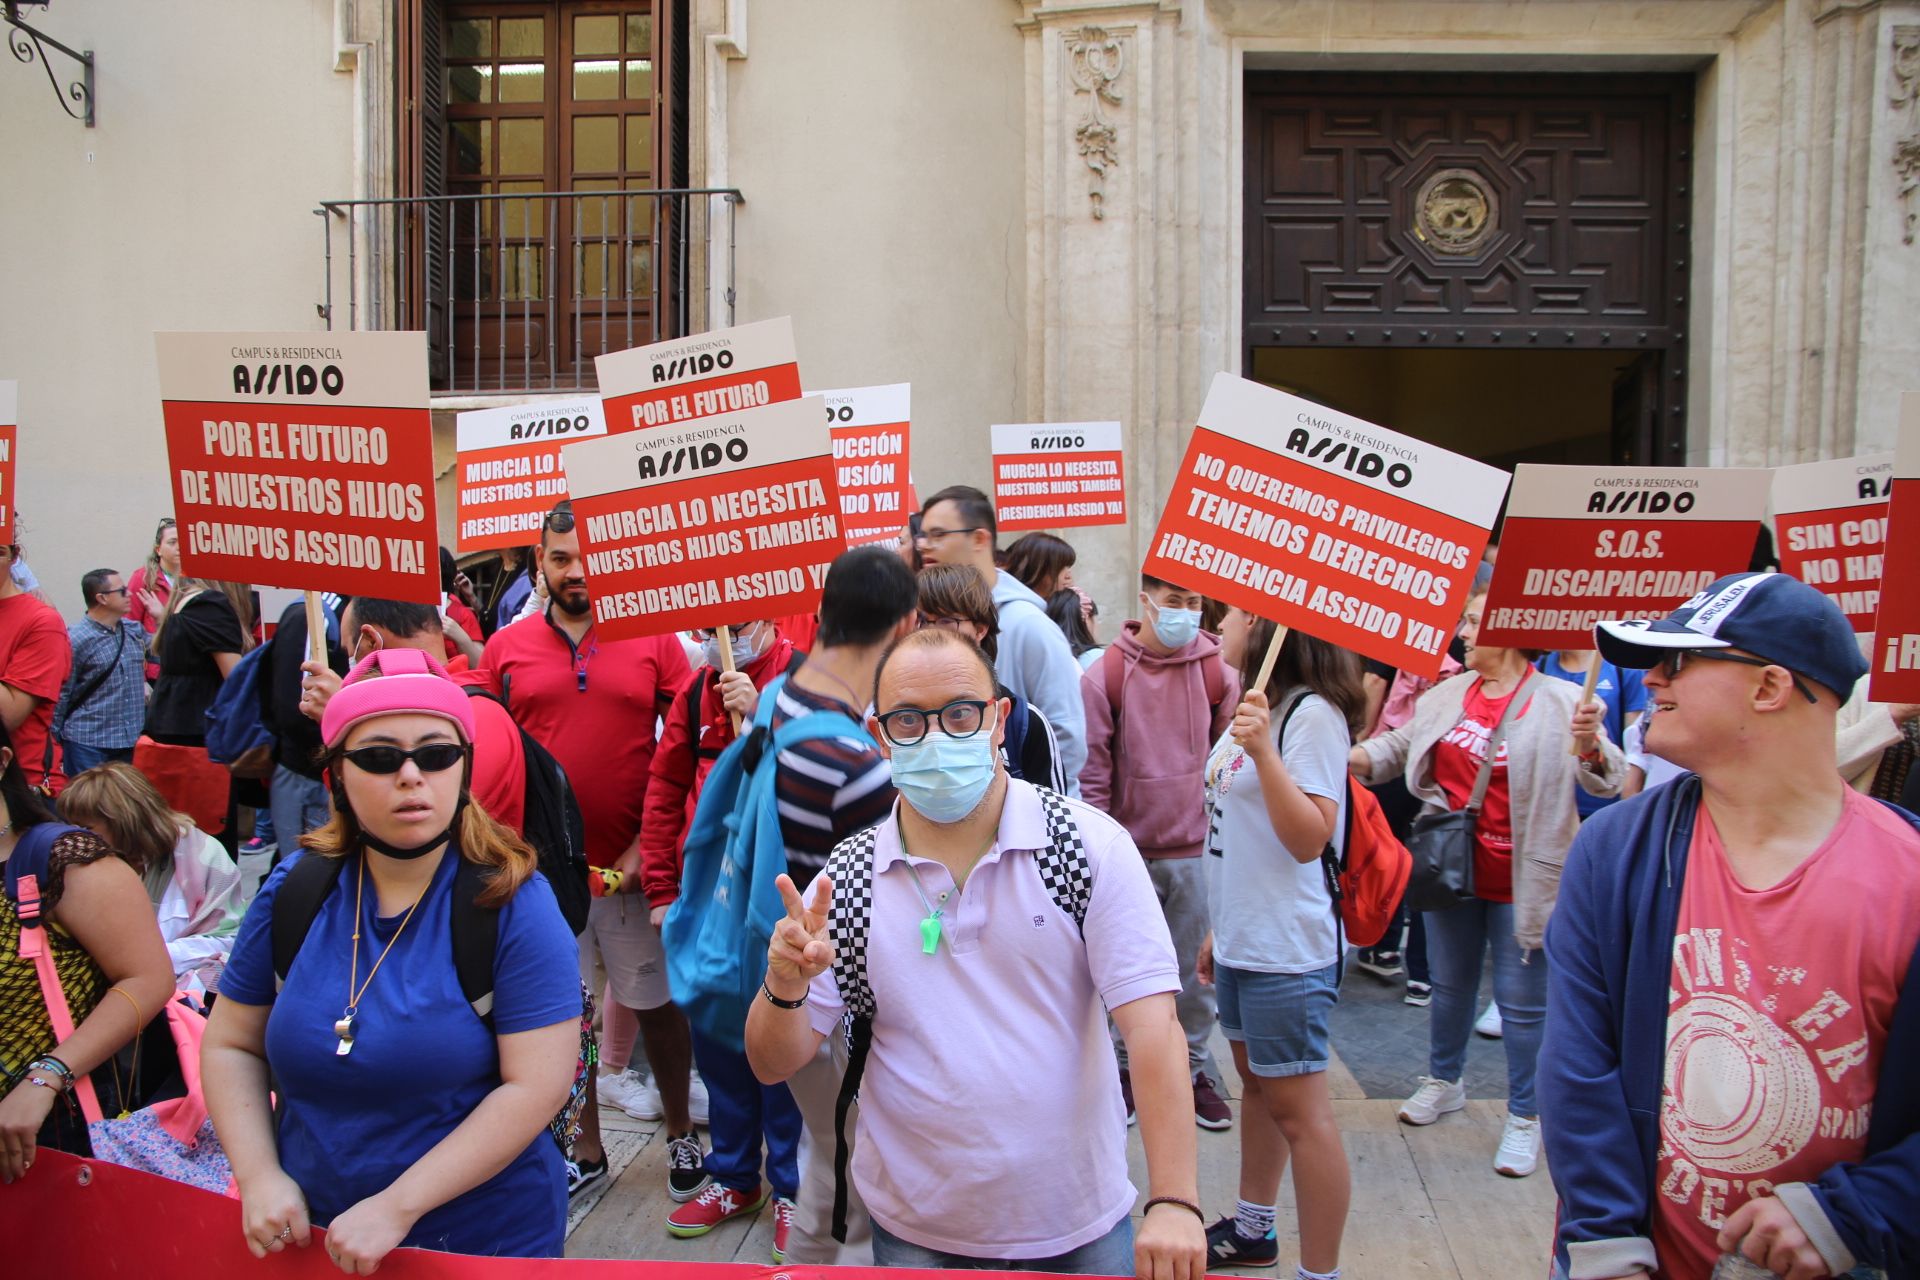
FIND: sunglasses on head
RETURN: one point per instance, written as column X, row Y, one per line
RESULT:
column 434, row 757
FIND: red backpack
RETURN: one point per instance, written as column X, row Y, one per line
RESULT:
column 1365, row 881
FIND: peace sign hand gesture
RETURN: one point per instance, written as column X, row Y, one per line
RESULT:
column 799, row 950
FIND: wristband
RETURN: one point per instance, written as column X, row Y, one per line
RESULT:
column 776, row 1001
column 1188, row 1205
column 48, row 1062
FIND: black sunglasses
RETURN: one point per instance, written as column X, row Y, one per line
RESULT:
column 558, row 522
column 1676, row 661
column 961, row 718
column 434, row 757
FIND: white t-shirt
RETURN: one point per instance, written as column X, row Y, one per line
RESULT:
column 1658, row 771
column 1271, row 913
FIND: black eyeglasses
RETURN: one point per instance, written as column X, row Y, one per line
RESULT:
column 934, row 535
column 113, row 591
column 1676, row 661
column 434, row 757
column 961, row 718
column 558, row 522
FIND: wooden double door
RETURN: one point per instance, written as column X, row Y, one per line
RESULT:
column 1478, row 211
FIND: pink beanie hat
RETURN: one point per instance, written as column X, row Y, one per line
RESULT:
column 396, row 682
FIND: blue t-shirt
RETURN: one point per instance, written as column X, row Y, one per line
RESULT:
column 422, row 1060
column 1623, row 691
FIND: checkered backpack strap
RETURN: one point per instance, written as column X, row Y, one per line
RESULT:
column 849, row 925
column 1064, row 866
column 850, row 919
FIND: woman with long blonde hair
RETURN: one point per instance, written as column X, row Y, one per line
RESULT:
column 407, row 1115
column 194, row 885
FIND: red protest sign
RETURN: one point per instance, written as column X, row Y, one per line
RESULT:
column 684, row 379
column 1583, row 544
column 303, row 460
column 720, row 521
column 1323, row 522
column 9, row 440
column 1052, row 475
column 870, row 440
column 509, row 468
column 1830, row 521
column 1896, row 633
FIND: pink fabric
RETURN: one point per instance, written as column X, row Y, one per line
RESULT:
column 1004, row 1026
column 1780, row 1002
column 1148, row 772
column 1405, row 690
column 410, row 681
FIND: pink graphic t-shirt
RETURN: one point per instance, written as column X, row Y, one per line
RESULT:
column 1778, row 1011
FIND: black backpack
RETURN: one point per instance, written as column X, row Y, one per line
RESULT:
column 553, row 825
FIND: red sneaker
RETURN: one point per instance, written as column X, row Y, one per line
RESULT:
column 1210, row 1110
column 782, row 1224
column 712, row 1207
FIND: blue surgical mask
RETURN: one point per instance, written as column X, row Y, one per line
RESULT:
column 743, row 651
column 945, row 778
column 1176, row 628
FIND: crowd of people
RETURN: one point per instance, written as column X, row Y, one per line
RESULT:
column 1020, row 872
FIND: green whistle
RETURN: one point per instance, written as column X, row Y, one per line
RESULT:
column 930, row 934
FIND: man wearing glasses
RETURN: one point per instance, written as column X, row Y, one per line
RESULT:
column 1035, row 661
column 990, row 1118
column 104, row 703
column 1726, row 964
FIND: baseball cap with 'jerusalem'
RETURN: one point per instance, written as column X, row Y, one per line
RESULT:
column 1769, row 615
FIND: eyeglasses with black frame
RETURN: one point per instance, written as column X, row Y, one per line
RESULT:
column 961, row 718
column 431, row 757
column 934, row 535
column 557, row 522
column 1676, row 660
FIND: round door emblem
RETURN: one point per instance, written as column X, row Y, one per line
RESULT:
column 1455, row 212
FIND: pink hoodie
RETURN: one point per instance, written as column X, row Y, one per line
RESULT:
column 1148, row 772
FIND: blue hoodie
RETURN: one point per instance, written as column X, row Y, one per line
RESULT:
column 1602, row 1061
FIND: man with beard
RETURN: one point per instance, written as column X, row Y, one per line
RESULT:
column 595, row 705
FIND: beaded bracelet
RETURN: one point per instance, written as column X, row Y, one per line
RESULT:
column 50, row 1063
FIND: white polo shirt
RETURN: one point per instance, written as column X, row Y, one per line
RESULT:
column 990, row 1115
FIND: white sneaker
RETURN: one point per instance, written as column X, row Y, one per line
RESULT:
column 1489, row 1024
column 630, row 1093
column 697, row 1100
column 1519, row 1152
column 1433, row 1099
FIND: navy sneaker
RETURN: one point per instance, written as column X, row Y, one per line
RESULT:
column 1226, row 1247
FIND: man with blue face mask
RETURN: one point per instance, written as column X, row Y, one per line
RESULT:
column 1156, row 702
column 992, row 927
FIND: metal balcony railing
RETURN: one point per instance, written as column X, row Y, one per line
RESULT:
column 519, row 291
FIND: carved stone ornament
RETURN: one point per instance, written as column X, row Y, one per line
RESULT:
column 1095, row 60
column 1906, row 106
column 1455, row 212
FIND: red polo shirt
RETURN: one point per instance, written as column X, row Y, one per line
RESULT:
column 596, row 707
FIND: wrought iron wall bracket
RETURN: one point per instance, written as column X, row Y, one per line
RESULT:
column 28, row 45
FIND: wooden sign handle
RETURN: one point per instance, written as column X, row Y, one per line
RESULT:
column 1586, row 693
column 1273, row 656
column 316, row 629
column 724, row 634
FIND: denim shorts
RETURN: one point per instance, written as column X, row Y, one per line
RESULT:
column 1280, row 1017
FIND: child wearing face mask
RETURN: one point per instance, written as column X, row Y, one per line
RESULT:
column 1156, row 702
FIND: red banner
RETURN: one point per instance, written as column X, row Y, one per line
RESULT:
column 9, row 441
column 303, row 460
column 871, row 436
column 1895, row 656
column 1584, row 544
column 1056, row 475
column 724, row 520
column 80, row 1218
column 509, row 468
column 722, row 372
column 1830, row 523
column 1347, row 531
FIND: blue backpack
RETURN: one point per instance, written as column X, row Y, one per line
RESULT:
column 237, row 733
column 717, row 931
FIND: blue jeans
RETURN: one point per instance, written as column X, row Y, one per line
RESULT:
column 77, row 757
column 744, row 1114
column 298, row 805
column 1110, row 1255
column 1457, row 942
